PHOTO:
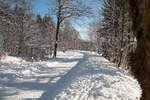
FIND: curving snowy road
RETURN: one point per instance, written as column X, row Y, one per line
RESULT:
column 97, row 79
column 74, row 75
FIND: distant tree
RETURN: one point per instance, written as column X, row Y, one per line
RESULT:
column 21, row 31
column 95, row 36
column 9, row 22
column 40, row 36
column 22, row 8
column 68, row 37
column 65, row 9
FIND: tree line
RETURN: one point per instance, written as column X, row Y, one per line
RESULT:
column 112, row 32
column 26, row 34
column 122, row 34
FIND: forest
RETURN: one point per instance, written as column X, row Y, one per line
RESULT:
column 31, row 35
column 118, row 32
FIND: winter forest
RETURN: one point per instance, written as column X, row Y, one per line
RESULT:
column 75, row 50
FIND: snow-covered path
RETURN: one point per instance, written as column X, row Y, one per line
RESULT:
column 74, row 75
column 94, row 78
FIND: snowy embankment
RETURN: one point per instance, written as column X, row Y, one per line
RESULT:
column 74, row 75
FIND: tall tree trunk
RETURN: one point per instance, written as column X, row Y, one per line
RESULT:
column 122, row 35
column 21, row 38
column 57, row 30
column 140, row 59
column 56, row 38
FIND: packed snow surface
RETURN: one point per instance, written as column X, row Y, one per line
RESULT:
column 74, row 75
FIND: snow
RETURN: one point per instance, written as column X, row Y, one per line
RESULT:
column 74, row 75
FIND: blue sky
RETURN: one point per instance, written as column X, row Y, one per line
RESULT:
column 41, row 7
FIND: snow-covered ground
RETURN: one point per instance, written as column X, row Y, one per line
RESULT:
column 74, row 75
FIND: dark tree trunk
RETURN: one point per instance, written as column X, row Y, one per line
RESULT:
column 140, row 59
column 56, row 38
column 57, row 31
column 122, row 35
column 21, row 38
column 21, row 46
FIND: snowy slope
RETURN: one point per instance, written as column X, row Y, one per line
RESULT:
column 74, row 75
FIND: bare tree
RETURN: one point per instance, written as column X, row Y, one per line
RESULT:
column 9, row 22
column 22, row 6
column 65, row 9
column 68, row 37
column 113, row 35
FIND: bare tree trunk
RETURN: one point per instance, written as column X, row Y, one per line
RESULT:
column 56, row 38
column 140, row 59
column 122, row 36
column 57, row 30
column 21, row 37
